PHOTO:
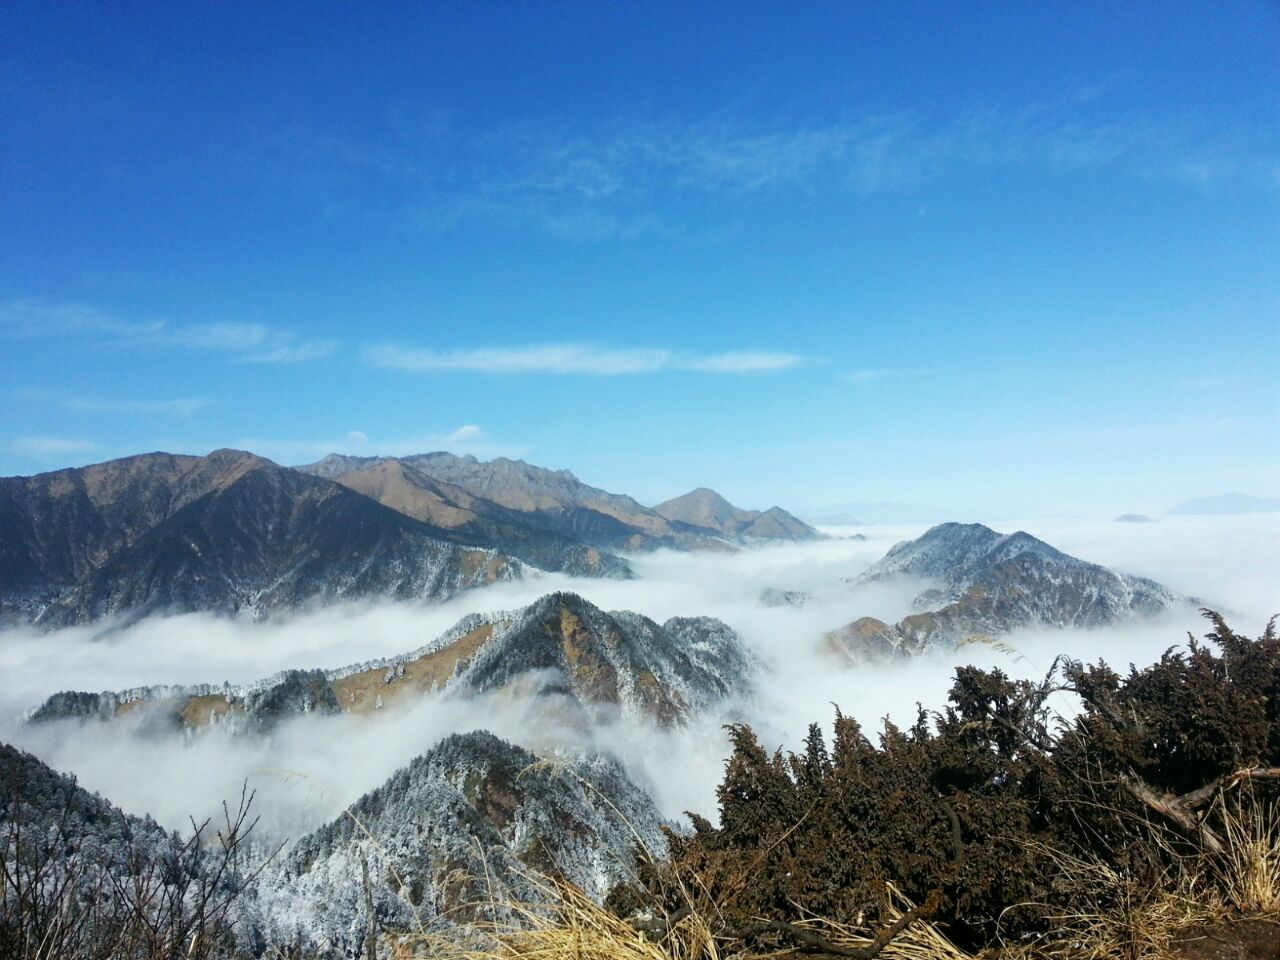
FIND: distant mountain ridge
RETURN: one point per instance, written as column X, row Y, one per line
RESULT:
column 227, row 532
column 704, row 507
column 478, row 521
column 988, row 584
column 557, row 502
column 233, row 532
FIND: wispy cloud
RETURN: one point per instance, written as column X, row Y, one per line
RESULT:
column 611, row 178
column 43, row 448
column 183, row 407
column 30, row 318
column 575, row 358
column 466, row 439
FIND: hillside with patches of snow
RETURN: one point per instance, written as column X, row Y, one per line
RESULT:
column 561, row 646
column 984, row 584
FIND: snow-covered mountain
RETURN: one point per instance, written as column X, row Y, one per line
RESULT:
column 560, row 646
column 985, row 583
column 472, row 820
column 666, row 672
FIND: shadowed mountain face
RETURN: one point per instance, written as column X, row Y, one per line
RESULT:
column 553, row 501
column 562, row 650
column 227, row 532
column 462, row 824
column 989, row 584
column 478, row 521
column 706, row 508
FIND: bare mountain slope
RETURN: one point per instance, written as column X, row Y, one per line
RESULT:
column 226, row 532
column 478, row 521
column 553, row 501
column 706, row 508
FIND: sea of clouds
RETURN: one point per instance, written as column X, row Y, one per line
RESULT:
column 309, row 769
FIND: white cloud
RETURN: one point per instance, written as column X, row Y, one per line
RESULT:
column 611, row 179
column 570, row 358
column 248, row 342
column 548, row 358
column 33, row 318
column 467, row 439
column 288, row 352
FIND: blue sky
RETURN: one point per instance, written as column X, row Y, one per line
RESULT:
column 1003, row 258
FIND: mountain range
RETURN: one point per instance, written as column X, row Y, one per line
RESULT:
column 557, row 501
column 982, row 584
column 227, row 532
column 233, row 532
column 472, row 815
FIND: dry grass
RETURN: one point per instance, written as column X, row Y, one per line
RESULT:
column 571, row 926
column 1112, row 915
column 359, row 692
column 1249, row 872
column 921, row 940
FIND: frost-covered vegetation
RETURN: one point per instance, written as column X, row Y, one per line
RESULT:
column 1087, row 814
column 82, row 881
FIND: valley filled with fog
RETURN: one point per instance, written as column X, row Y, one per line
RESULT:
column 308, row 769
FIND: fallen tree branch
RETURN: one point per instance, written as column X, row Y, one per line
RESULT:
column 1203, row 795
column 1181, row 810
column 1173, row 809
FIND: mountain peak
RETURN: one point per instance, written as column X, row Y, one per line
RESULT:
column 704, row 507
column 991, row 583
